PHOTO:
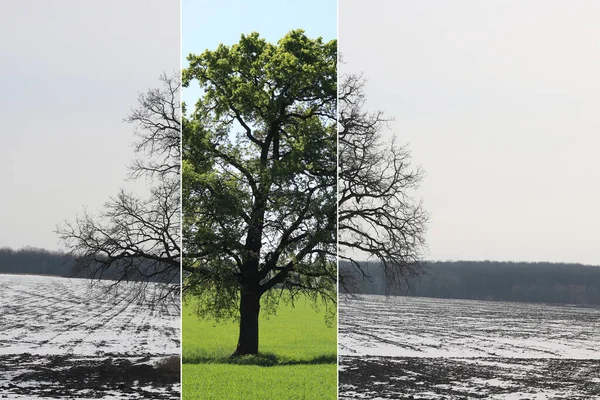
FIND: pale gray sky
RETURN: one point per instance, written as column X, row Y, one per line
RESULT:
column 70, row 72
column 500, row 102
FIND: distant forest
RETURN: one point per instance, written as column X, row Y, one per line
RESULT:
column 36, row 261
column 44, row 262
column 543, row 282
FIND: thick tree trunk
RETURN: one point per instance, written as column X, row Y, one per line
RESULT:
column 249, row 310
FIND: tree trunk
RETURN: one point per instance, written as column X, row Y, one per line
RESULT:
column 249, row 310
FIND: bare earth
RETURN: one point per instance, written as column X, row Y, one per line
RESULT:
column 418, row 348
column 60, row 338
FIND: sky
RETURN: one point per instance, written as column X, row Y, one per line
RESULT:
column 70, row 72
column 206, row 24
column 499, row 102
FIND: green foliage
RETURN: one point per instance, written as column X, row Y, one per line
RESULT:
column 299, row 358
column 259, row 173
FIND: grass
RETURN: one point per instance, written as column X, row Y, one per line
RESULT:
column 297, row 358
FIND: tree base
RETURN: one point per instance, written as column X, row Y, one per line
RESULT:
column 237, row 354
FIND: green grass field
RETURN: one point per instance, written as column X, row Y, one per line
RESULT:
column 297, row 361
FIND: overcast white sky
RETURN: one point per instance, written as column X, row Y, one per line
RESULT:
column 70, row 72
column 500, row 102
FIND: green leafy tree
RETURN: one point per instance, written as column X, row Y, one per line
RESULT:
column 259, row 179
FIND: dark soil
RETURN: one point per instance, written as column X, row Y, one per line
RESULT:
column 454, row 378
column 89, row 377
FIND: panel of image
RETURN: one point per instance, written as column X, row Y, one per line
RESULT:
column 91, row 151
column 469, row 261
column 259, row 200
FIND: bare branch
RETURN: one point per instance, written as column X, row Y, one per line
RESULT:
column 135, row 238
column 377, row 216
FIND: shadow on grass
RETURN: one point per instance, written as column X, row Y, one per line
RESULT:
column 262, row 360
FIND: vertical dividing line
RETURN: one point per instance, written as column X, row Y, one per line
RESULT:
column 337, row 208
column 181, row 199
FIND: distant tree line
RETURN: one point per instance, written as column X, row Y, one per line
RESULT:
column 36, row 261
column 544, row 282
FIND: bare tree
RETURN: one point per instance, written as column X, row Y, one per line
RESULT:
column 135, row 238
column 157, row 122
column 378, row 218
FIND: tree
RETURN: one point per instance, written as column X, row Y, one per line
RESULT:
column 377, row 215
column 259, row 173
column 135, row 238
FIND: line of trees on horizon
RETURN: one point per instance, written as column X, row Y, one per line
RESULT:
column 38, row 261
column 544, row 282
column 32, row 260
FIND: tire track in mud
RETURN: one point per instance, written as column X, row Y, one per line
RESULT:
column 67, row 313
column 44, row 301
column 122, row 327
column 356, row 332
column 432, row 326
column 127, row 316
column 85, row 335
column 516, row 350
column 100, row 320
column 34, row 310
column 78, row 323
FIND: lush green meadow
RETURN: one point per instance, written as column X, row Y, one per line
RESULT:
column 297, row 361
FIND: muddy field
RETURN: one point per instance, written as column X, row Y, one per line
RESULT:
column 61, row 338
column 418, row 348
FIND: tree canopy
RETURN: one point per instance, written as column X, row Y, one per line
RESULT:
column 259, row 178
